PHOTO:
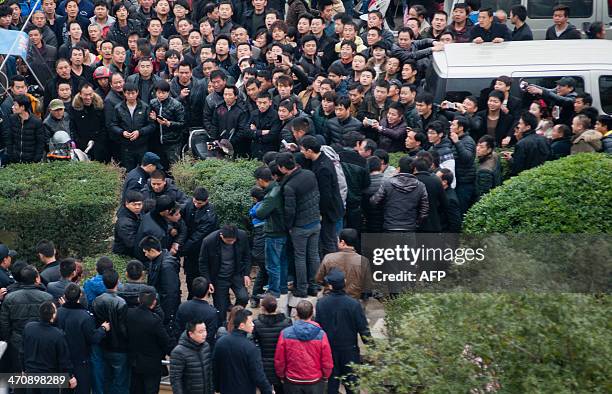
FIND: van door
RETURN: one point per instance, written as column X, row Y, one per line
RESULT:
column 539, row 14
column 606, row 17
column 602, row 90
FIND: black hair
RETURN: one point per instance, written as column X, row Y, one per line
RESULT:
column 374, row 163
column 310, row 142
column 424, row 97
column 229, row 231
column 199, row 287
column 46, row 248
column 46, row 311
column 447, row 175
column 148, row 243
column 490, row 141
column 420, row 165
column 304, row 309
column 147, row 298
column 241, row 317
column 519, row 11
column 258, row 193
column 530, row 120
column 67, row 266
column 110, row 278
column 285, row 160
column 263, row 173
column 72, row 292
column 200, row 194
column 28, row 275
column 350, row 236
column 405, row 163
column 134, row 269
column 103, row 264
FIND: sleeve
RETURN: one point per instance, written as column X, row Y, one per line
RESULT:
column 423, row 206
column 147, row 127
column 126, row 233
column 177, row 366
column 207, row 116
column 206, row 226
column 327, row 363
column 265, row 209
column 203, row 260
column 163, row 339
column 326, row 188
column 379, row 197
column 63, row 355
column 366, row 280
column 550, row 95
column 169, row 284
column 465, row 154
column 256, row 370
column 290, row 206
column 484, row 182
column 122, row 319
column 300, row 75
column 322, row 271
column 279, row 357
column 115, row 122
column 92, row 335
column 180, row 117
column 395, row 133
column 453, row 214
column 245, row 264
column 7, row 137
column 5, row 325
column 362, row 324
column 272, row 136
column 40, row 141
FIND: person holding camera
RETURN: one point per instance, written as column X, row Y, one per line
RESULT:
column 560, row 99
column 168, row 115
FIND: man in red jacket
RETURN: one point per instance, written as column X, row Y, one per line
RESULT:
column 303, row 359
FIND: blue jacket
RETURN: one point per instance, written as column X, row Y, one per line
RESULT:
column 256, row 222
column 94, row 287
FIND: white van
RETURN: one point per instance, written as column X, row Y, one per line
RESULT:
column 468, row 69
column 539, row 12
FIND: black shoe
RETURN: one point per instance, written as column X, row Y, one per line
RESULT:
column 299, row 294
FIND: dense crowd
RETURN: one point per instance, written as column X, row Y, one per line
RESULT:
column 321, row 100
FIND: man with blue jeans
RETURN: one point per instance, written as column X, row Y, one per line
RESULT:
column 303, row 219
column 109, row 307
column 271, row 210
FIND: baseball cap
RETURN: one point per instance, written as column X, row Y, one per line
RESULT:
column 567, row 81
column 56, row 104
column 5, row 252
column 336, row 279
column 395, row 82
column 101, row 72
column 151, row 158
column 381, row 44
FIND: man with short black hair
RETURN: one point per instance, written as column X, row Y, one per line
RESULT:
column 128, row 221
column 135, row 283
column 531, row 150
column 562, row 29
column 45, row 347
column 67, row 268
column 464, row 151
column 137, row 178
column 6, row 277
column 237, row 361
column 225, row 261
column 303, row 359
column 168, row 114
column 191, row 362
column 451, row 218
column 149, row 343
column 45, row 251
column 200, row 218
column 198, row 309
column 487, row 30
column 560, row 99
column 343, row 122
column 522, row 31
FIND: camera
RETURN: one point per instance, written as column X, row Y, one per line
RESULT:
column 279, row 58
column 523, row 85
column 452, row 105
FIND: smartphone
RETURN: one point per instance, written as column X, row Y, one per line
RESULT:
column 452, row 105
column 279, row 58
column 285, row 144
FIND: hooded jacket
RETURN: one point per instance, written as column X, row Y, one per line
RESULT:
column 587, row 141
column 191, row 367
column 24, row 140
column 405, row 202
column 265, row 335
column 87, row 123
column 570, row 33
column 303, row 353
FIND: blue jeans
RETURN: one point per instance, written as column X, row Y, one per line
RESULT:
column 117, row 376
column 97, row 370
column 306, row 257
column 276, row 264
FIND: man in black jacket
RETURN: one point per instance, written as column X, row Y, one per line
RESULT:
column 191, row 361
column 50, row 272
column 464, row 150
column 168, row 114
column 136, row 179
column 435, row 196
column 156, row 224
column 265, row 127
column 190, row 92
column 451, row 218
column 22, row 133
column 109, row 307
column 6, row 259
column 163, row 274
column 238, row 368
column 131, row 124
column 81, row 334
column 135, row 284
column 18, row 308
column 562, row 29
column 159, row 185
column 330, row 206
column 302, row 219
column 149, row 343
column 200, row 218
column 230, row 120
column 343, row 319
column 126, row 226
column 198, row 309
column 225, row 261
column 67, row 271
column 87, row 122
column 45, row 347
column 218, row 80
column 531, row 149
column 487, row 30
column 268, row 326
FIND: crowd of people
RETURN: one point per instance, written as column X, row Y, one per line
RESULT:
column 322, row 101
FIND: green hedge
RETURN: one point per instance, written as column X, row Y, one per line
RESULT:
column 527, row 343
column 70, row 203
column 570, row 195
column 228, row 183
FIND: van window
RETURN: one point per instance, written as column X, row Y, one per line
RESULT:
column 543, row 9
column 605, row 93
column 500, row 4
column 549, row 82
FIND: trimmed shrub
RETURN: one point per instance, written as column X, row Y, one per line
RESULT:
column 570, row 195
column 477, row 343
column 228, row 183
column 69, row 203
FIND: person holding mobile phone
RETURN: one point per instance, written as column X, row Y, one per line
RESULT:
column 168, row 115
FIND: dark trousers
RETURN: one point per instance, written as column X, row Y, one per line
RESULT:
column 192, row 270
column 465, row 195
column 145, row 383
column 170, row 154
column 221, row 298
column 82, row 373
column 305, row 258
column 353, row 217
column 341, row 360
column 258, row 256
column 328, row 237
column 315, row 388
column 130, row 159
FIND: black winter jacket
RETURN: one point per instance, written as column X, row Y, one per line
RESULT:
column 265, row 143
column 531, row 151
column 571, row 33
column 116, row 34
column 192, row 103
column 330, row 205
column 210, row 255
column 24, row 140
column 336, row 128
column 164, row 276
column 211, row 103
column 465, row 153
column 113, row 309
column 236, row 118
column 81, row 332
column 488, row 174
column 152, row 225
column 301, row 197
column 200, row 223
column 126, row 227
column 45, row 349
column 130, row 291
column 135, row 180
column 265, row 334
column 357, row 180
column 123, row 121
column 148, row 340
column 172, row 110
column 237, row 366
column 451, row 218
column 142, row 84
column 437, row 202
column 87, row 123
column 197, row 310
column 405, row 202
column 342, row 318
column 560, row 147
column 18, row 308
column 374, row 214
column 191, row 367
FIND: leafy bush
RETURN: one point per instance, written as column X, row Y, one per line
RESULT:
column 70, row 203
column 119, row 264
column 228, row 183
column 570, row 195
column 510, row 343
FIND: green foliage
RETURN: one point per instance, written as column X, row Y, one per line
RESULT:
column 509, row 343
column 119, row 264
column 228, row 183
column 395, row 157
column 570, row 195
column 70, row 203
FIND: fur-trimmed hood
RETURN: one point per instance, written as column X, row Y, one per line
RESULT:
column 77, row 102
